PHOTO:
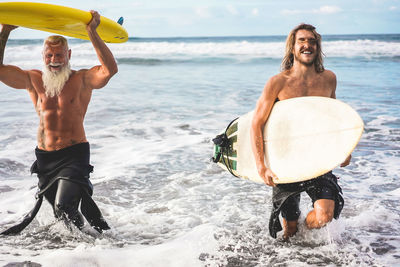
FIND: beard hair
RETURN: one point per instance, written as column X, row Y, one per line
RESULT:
column 54, row 82
column 308, row 64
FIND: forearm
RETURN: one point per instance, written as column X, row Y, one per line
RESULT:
column 106, row 58
column 257, row 143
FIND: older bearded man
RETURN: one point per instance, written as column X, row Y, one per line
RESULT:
column 61, row 97
column 55, row 74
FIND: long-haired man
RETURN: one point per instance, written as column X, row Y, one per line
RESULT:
column 303, row 74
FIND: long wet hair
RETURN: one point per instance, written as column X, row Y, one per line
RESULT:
column 288, row 59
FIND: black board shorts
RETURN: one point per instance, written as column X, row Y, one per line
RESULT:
column 286, row 198
column 322, row 190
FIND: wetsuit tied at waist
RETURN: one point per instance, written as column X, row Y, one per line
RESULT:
column 71, row 164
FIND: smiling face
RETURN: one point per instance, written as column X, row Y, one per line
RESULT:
column 56, row 57
column 56, row 71
column 305, row 47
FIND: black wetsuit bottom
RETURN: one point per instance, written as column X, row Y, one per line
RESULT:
column 65, row 196
column 64, row 182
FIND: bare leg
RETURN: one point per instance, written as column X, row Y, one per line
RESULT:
column 290, row 215
column 321, row 214
column 289, row 228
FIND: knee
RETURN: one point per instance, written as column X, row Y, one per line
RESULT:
column 323, row 217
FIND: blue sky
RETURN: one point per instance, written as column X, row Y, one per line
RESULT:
column 166, row 18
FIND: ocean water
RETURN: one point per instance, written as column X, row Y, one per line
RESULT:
column 150, row 131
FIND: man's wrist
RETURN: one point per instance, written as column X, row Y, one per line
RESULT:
column 90, row 30
column 262, row 169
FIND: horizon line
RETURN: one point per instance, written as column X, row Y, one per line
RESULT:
column 212, row 36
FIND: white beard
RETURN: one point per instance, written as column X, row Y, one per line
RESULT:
column 54, row 82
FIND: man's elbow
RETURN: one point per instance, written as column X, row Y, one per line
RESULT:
column 111, row 71
column 104, row 77
column 3, row 69
column 114, row 70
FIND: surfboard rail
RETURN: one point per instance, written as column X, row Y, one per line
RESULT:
column 59, row 20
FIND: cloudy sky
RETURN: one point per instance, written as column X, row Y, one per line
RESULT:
column 167, row 18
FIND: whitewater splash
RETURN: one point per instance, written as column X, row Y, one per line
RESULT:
column 206, row 50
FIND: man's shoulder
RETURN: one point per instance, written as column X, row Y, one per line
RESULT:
column 279, row 78
column 34, row 75
column 329, row 75
column 329, row 79
column 77, row 73
column 35, row 72
column 275, row 83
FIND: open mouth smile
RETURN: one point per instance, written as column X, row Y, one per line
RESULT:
column 54, row 66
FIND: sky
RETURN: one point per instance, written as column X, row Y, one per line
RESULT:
column 186, row 18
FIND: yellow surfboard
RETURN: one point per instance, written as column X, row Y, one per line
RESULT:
column 60, row 20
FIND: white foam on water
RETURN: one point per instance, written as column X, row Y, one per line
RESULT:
column 29, row 56
column 181, row 251
column 395, row 193
column 357, row 48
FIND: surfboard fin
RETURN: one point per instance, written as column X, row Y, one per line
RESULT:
column 120, row 21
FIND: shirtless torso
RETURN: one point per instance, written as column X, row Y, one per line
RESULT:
column 304, row 76
column 61, row 116
column 300, row 80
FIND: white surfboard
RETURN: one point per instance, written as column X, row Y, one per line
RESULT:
column 304, row 138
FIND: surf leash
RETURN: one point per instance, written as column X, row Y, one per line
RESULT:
column 222, row 141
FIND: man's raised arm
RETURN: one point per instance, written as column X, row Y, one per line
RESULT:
column 98, row 76
column 11, row 75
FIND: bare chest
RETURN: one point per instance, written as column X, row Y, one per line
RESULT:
column 63, row 102
column 297, row 88
column 69, row 99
